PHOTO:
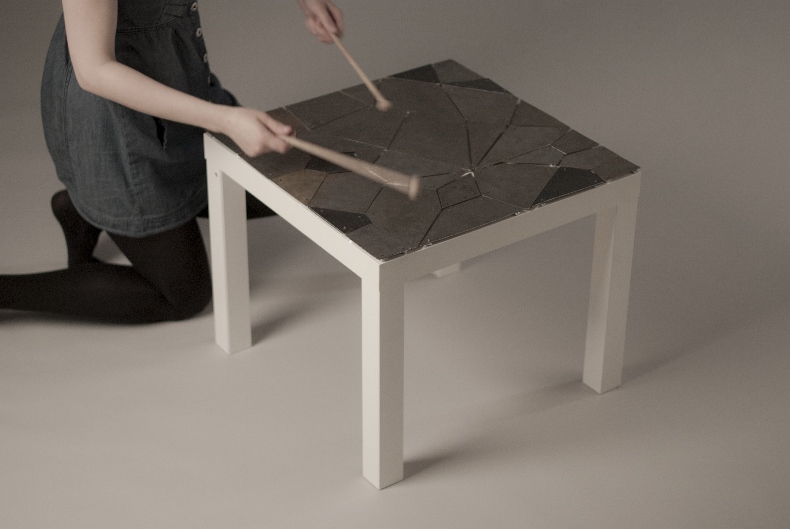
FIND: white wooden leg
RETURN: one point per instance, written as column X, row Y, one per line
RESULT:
column 229, row 262
column 611, row 280
column 448, row 270
column 382, row 382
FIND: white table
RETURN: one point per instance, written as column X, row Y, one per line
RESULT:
column 614, row 205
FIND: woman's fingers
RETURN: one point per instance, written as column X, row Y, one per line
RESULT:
column 322, row 17
column 256, row 132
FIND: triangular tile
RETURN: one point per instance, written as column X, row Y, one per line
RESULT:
column 367, row 126
column 467, row 216
column 301, row 185
column 459, row 190
column 520, row 140
column 567, row 181
column 423, row 73
column 481, row 105
column 376, row 242
column 482, row 136
column 406, row 220
column 452, row 72
column 481, row 84
column 343, row 220
column 517, row 184
column 573, row 141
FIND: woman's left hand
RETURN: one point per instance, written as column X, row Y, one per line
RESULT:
column 322, row 17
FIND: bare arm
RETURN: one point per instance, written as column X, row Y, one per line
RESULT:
column 90, row 29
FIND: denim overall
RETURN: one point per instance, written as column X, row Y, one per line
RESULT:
column 127, row 172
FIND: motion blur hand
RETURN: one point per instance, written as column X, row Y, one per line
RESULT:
column 322, row 17
column 255, row 132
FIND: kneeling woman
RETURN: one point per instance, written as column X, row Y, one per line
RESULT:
column 126, row 94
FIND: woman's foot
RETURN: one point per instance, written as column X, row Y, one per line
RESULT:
column 81, row 236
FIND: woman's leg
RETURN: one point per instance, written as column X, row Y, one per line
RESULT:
column 169, row 280
column 81, row 236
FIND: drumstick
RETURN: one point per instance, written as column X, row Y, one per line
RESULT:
column 381, row 102
column 408, row 185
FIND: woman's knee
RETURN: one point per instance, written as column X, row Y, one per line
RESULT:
column 176, row 264
column 190, row 297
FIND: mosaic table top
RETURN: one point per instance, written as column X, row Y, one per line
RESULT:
column 481, row 153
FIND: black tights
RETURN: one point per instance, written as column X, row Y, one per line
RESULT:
column 169, row 278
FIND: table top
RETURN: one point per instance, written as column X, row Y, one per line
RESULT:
column 482, row 155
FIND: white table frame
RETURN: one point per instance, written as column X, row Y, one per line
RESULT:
column 615, row 207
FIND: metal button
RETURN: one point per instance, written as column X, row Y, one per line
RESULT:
column 193, row 7
column 199, row 32
column 205, row 58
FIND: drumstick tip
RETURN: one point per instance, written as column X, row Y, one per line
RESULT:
column 383, row 105
column 414, row 188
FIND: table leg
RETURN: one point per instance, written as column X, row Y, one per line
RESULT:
column 382, row 382
column 229, row 262
column 611, row 279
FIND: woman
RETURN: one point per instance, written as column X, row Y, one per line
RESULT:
column 126, row 94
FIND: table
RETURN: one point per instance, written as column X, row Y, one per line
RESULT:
column 494, row 170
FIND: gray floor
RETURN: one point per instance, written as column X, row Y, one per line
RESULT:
column 153, row 426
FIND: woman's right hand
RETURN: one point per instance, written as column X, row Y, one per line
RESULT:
column 255, row 132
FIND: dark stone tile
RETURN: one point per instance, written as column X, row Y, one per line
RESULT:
column 437, row 181
column 429, row 138
column 301, row 185
column 528, row 116
column 343, row 220
column 615, row 169
column 376, row 242
column 517, row 184
column 363, row 151
column 481, row 84
column 573, row 141
column 588, row 158
column 406, row 220
column 412, row 165
column 429, row 100
column 516, row 141
column 362, row 93
column 547, row 155
column 273, row 164
column 482, row 137
column 283, row 116
column 345, row 192
column 602, row 162
column 452, row 72
column 321, row 165
column 567, row 181
column 459, row 190
column 323, row 109
column 483, row 106
column 423, row 73
column 368, row 126
column 468, row 216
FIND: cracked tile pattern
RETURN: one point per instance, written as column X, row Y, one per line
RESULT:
column 481, row 153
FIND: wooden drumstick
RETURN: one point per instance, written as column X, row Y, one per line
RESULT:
column 381, row 102
column 408, row 185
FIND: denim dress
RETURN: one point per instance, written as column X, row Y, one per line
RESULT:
column 127, row 172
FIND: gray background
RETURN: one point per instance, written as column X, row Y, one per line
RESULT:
column 103, row 426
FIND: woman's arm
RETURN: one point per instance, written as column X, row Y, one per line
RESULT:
column 90, row 29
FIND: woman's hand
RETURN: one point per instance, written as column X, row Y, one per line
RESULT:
column 322, row 17
column 255, row 132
